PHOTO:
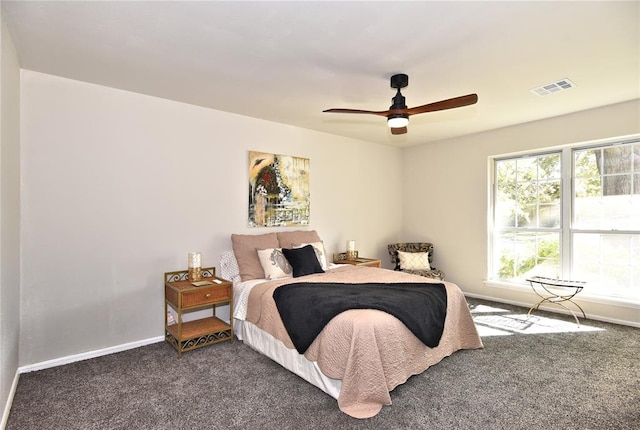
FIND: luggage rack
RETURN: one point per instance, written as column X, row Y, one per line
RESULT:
column 556, row 291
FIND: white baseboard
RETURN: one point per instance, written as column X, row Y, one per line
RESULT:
column 66, row 360
column 551, row 309
column 7, row 406
column 87, row 355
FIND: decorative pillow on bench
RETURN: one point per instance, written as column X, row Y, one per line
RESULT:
column 414, row 260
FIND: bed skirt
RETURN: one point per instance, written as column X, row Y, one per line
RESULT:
column 290, row 359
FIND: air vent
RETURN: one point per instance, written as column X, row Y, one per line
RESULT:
column 553, row 87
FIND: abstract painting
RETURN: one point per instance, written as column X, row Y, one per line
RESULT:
column 278, row 190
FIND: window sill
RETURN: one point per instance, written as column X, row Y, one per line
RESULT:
column 633, row 303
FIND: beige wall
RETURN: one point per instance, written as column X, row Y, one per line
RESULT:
column 446, row 194
column 118, row 187
column 9, row 216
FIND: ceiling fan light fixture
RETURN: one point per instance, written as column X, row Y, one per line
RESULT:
column 398, row 114
column 397, row 121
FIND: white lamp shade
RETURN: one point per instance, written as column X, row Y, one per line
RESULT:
column 194, row 259
column 398, row 122
column 351, row 245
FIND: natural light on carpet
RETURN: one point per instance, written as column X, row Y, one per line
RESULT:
column 492, row 321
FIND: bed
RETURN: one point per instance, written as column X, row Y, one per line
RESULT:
column 360, row 355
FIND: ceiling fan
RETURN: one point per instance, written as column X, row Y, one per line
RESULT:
column 398, row 114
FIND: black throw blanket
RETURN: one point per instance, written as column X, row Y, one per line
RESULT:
column 306, row 307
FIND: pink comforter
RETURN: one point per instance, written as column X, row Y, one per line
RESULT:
column 371, row 351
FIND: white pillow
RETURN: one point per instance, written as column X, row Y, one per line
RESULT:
column 229, row 266
column 274, row 263
column 318, row 247
column 414, row 260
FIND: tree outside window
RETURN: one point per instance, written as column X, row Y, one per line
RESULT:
column 597, row 239
column 527, row 216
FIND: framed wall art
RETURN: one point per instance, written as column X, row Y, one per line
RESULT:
column 278, row 190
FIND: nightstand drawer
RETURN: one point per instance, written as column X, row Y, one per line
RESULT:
column 205, row 295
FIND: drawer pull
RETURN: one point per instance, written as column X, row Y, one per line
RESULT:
column 207, row 295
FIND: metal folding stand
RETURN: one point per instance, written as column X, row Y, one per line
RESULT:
column 556, row 291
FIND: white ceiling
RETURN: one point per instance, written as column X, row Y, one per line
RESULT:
column 288, row 61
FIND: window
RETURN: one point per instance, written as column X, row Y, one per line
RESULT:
column 573, row 213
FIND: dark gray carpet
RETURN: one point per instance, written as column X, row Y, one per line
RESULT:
column 571, row 380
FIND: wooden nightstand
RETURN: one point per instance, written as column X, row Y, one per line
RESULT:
column 183, row 296
column 340, row 258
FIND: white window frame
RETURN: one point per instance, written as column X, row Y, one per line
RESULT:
column 567, row 229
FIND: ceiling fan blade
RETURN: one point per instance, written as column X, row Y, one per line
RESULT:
column 455, row 102
column 381, row 113
column 399, row 130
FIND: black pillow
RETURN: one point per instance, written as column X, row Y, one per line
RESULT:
column 303, row 260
